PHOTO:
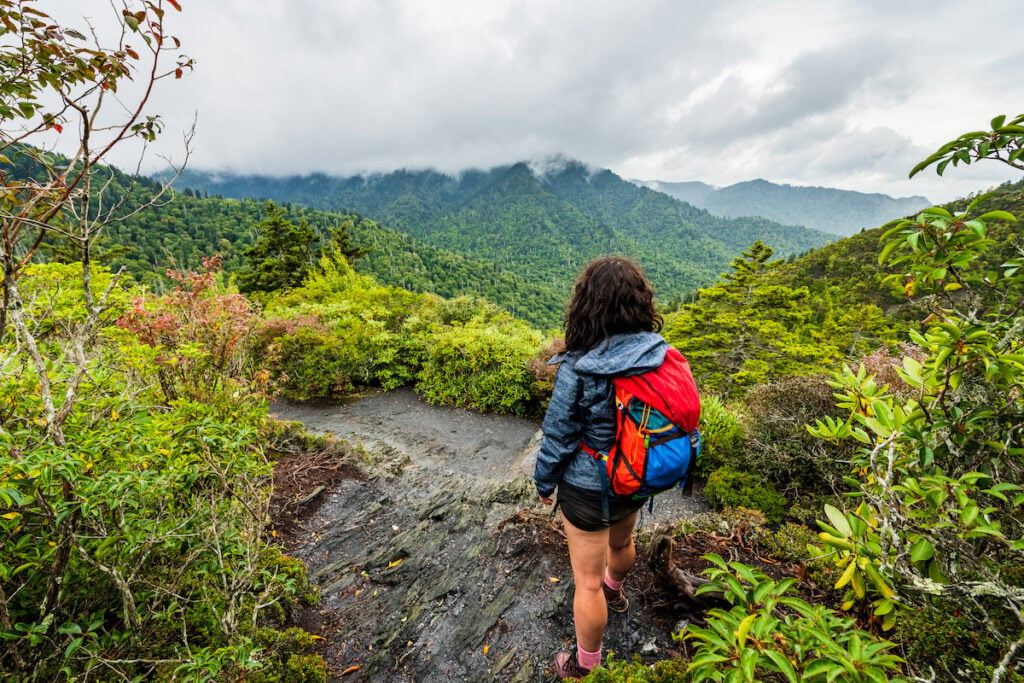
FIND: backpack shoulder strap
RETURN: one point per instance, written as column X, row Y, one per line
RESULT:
column 670, row 389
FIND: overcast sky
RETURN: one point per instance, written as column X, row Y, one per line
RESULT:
column 840, row 93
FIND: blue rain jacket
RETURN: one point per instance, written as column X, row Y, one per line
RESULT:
column 582, row 408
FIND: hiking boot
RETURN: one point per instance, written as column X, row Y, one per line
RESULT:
column 566, row 666
column 616, row 599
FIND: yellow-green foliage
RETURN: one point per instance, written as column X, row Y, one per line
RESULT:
column 635, row 671
column 484, row 366
column 769, row 633
column 54, row 292
column 342, row 331
column 722, row 434
column 727, row 488
column 285, row 658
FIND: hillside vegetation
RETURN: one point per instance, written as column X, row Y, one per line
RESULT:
column 840, row 212
column 848, row 270
column 541, row 225
column 179, row 229
column 515, row 238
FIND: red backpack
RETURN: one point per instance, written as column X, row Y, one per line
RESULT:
column 656, row 438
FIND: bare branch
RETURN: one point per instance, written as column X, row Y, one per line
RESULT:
column 1004, row 663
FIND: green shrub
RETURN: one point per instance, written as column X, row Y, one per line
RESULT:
column 789, row 543
column 727, row 488
column 779, row 447
column 286, row 658
column 722, row 435
column 341, row 331
column 137, row 519
column 770, row 440
column 305, row 669
column 635, row 671
column 544, row 375
column 462, row 310
column 312, row 364
column 199, row 333
column 167, row 512
column 807, row 510
column 485, row 367
column 771, row 634
column 946, row 637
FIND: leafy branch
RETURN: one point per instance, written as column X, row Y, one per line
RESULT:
column 1003, row 143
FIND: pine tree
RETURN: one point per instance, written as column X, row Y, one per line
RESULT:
column 744, row 331
column 341, row 235
column 282, row 255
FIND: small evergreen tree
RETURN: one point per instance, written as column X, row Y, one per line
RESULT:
column 342, row 237
column 282, row 255
column 743, row 330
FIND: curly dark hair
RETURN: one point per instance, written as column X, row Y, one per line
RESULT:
column 612, row 296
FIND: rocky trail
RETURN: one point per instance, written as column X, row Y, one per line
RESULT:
column 437, row 562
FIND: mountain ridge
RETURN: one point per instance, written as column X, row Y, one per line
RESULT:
column 541, row 220
column 832, row 210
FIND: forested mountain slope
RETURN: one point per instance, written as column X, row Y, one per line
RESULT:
column 192, row 227
column 840, row 212
column 183, row 228
column 849, row 271
column 541, row 223
column 768, row 319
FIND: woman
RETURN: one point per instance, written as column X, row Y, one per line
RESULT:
column 611, row 330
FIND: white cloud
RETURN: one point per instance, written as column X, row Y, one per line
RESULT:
column 846, row 94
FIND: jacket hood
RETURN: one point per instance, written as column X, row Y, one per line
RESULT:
column 624, row 354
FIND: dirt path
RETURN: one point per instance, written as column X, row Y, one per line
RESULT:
column 443, row 566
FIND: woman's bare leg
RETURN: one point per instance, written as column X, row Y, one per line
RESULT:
column 621, row 551
column 588, row 554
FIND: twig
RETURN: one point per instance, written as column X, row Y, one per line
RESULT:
column 1004, row 663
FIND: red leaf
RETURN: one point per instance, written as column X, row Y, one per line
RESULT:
column 174, row 4
column 178, row 73
column 57, row 127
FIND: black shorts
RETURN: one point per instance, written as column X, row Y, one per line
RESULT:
column 584, row 509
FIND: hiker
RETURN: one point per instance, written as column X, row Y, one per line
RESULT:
column 611, row 329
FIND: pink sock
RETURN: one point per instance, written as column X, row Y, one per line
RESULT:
column 611, row 583
column 588, row 660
